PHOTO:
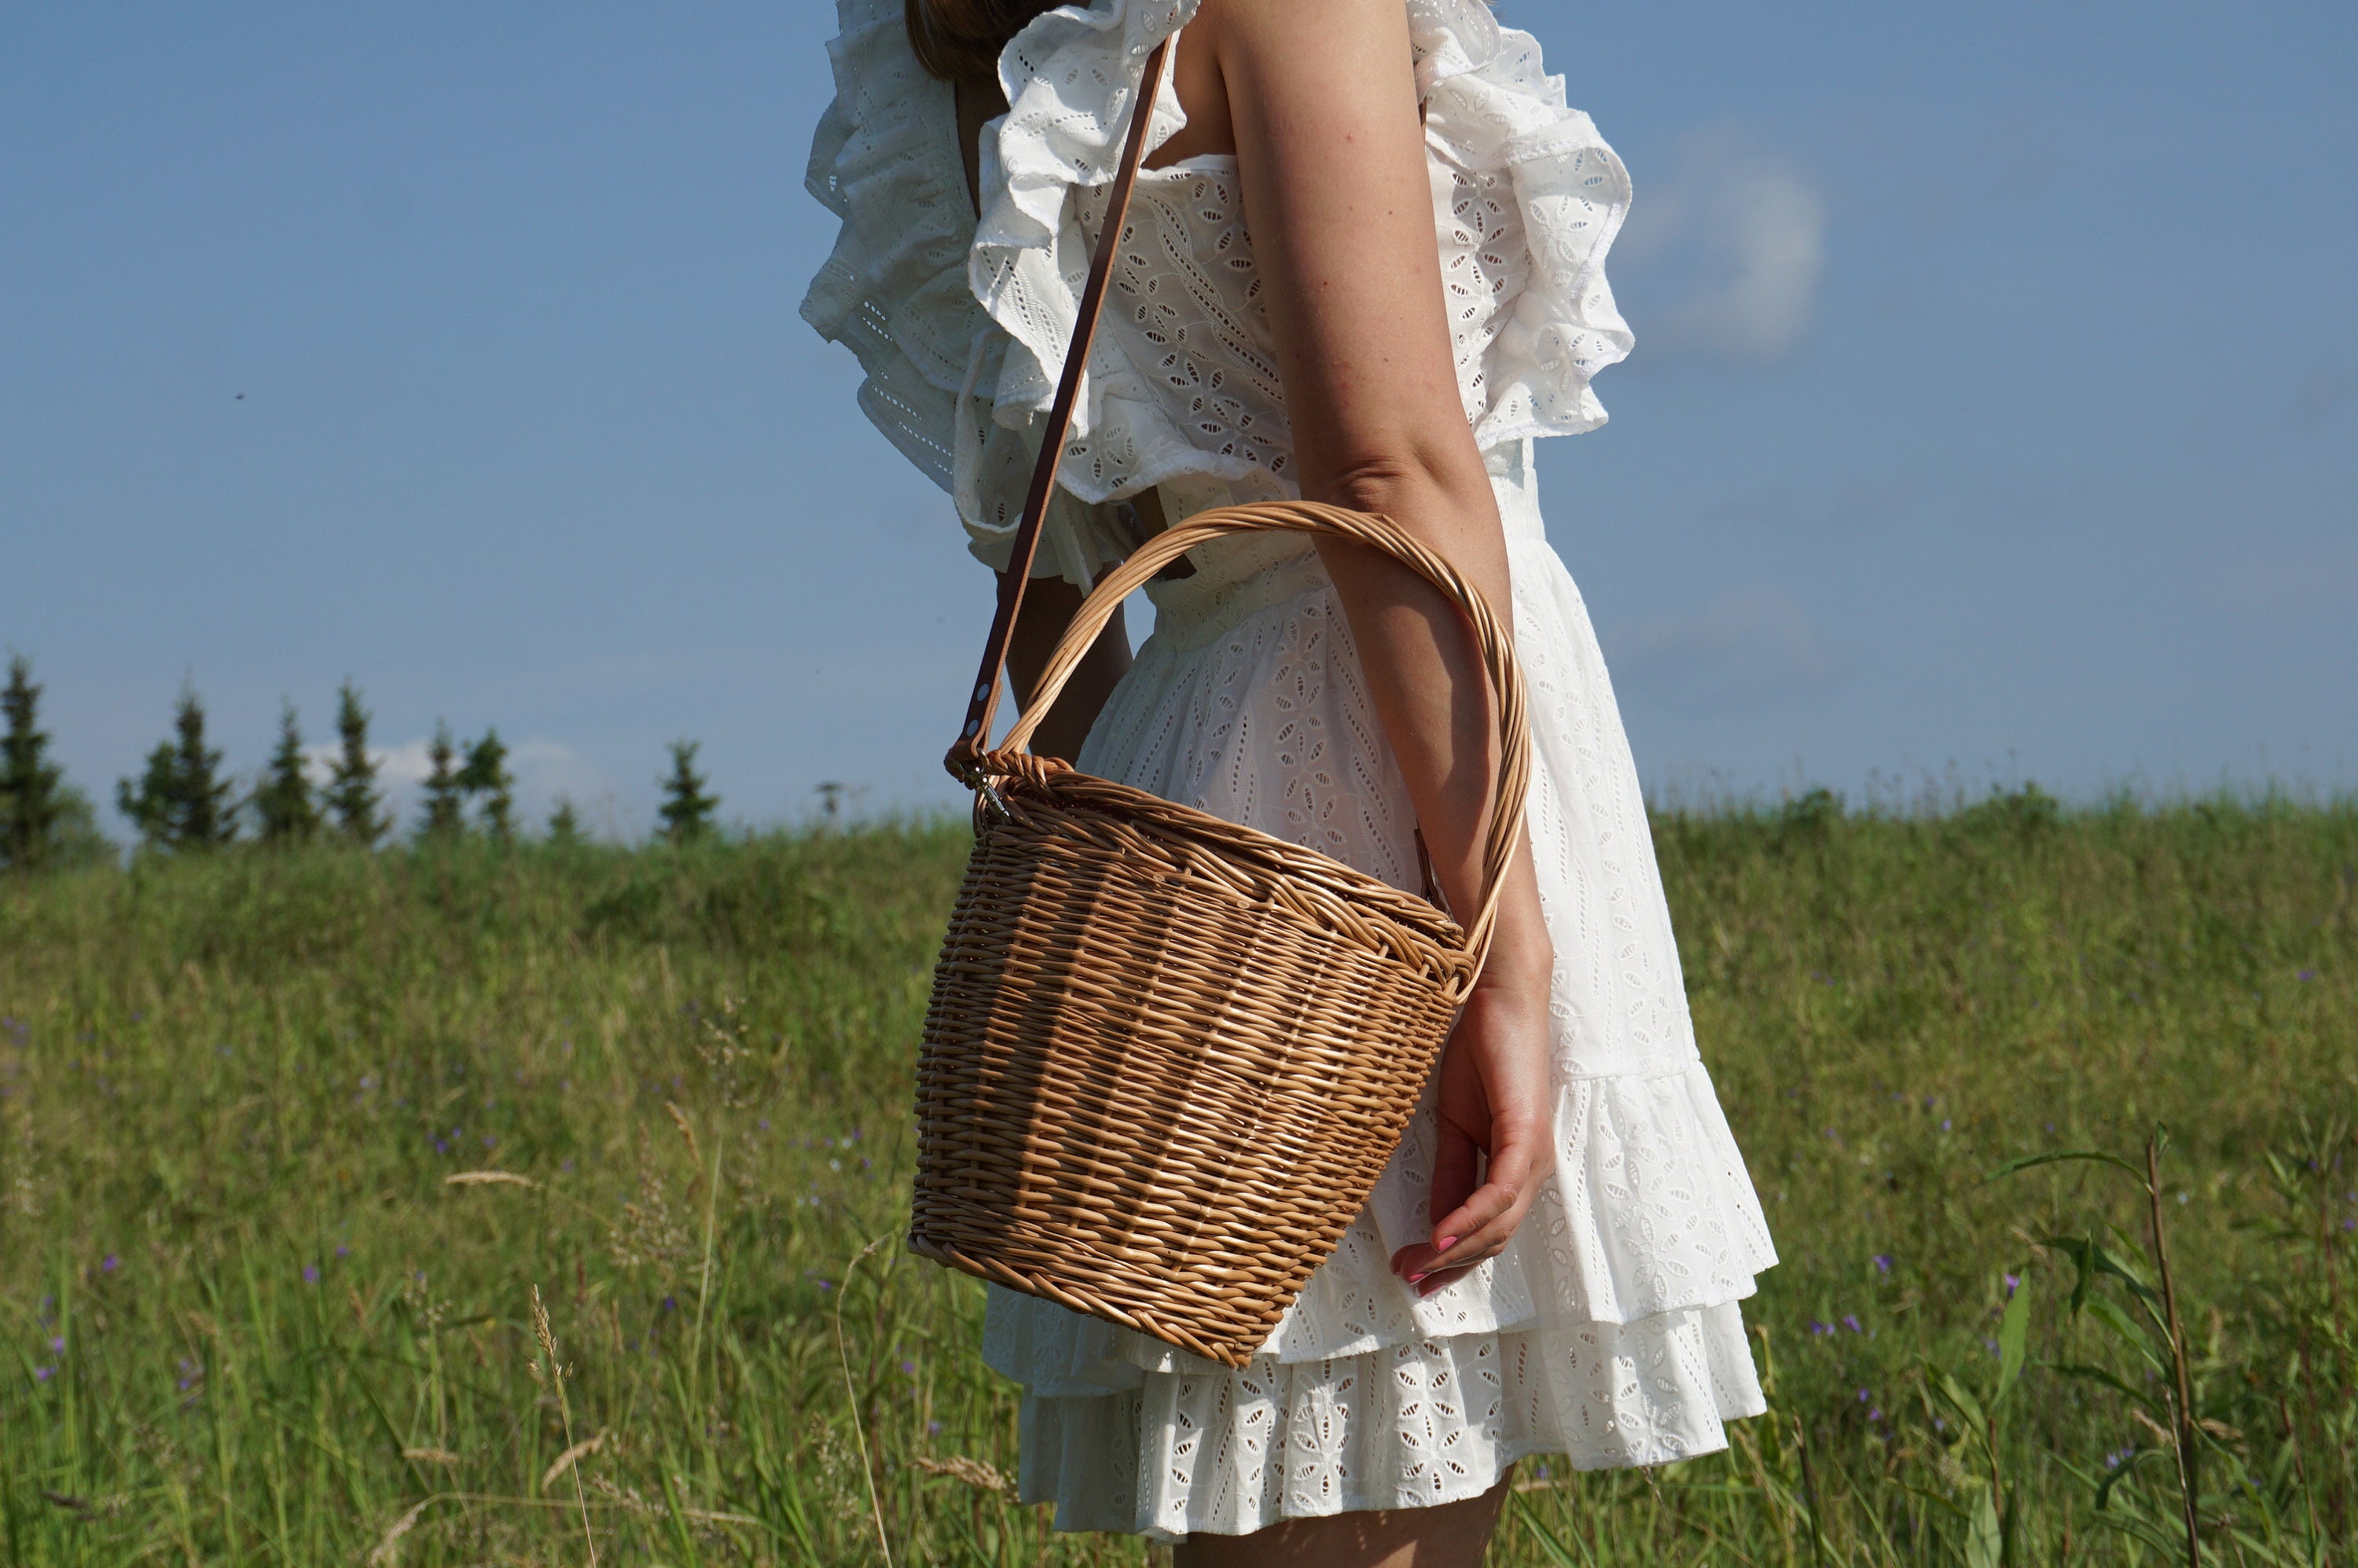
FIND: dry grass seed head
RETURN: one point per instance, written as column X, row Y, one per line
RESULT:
column 567, row 1460
column 385, row 1545
column 974, row 1472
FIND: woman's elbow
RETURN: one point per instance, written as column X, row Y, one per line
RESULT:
column 1407, row 479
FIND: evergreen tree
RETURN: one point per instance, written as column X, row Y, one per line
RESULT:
column 686, row 809
column 445, row 814
column 486, row 774
column 33, row 800
column 564, row 823
column 149, row 806
column 182, row 800
column 283, row 803
column 352, row 795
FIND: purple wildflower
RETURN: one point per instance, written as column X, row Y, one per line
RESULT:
column 310, row 1273
column 1883, row 1262
column 1944, row 1124
column 1850, row 1320
column 43, row 1374
column 342, row 1251
column 671, row 1304
column 2308, row 975
column 58, row 1346
column 909, row 1368
column 108, row 1264
column 933, row 1428
column 1867, row 1396
column 2013, row 1283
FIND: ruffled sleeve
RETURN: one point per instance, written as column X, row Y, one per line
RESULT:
column 894, row 291
column 1070, row 78
column 1532, row 201
column 962, row 325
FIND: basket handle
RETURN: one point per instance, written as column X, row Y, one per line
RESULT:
column 1499, row 664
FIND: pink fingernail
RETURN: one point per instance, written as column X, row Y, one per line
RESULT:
column 1416, row 1278
column 1447, row 1242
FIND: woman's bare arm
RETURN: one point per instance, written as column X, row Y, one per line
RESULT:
column 1049, row 605
column 1321, row 99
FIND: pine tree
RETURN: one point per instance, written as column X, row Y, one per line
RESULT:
column 486, row 774
column 564, row 823
column 445, row 816
column 33, row 802
column 182, row 800
column 283, row 803
column 686, row 809
column 149, row 806
column 352, row 795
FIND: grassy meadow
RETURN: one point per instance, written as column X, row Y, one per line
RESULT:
column 291, row 1144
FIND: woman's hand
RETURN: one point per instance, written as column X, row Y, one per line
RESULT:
column 1497, row 1142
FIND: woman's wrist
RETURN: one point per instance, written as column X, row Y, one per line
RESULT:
column 1522, row 960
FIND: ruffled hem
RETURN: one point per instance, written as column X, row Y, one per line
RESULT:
column 1649, row 1213
column 1229, row 1451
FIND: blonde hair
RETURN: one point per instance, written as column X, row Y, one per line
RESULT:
column 960, row 40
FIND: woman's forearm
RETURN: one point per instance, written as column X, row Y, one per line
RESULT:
column 1425, row 674
column 1049, row 605
column 1330, row 150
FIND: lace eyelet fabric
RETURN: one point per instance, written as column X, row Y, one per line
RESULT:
column 1610, row 1330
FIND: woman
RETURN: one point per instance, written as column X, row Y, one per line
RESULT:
column 1364, row 266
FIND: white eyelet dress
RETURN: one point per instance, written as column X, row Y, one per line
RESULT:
column 1610, row 1330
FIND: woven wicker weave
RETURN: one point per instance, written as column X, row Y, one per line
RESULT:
column 1167, row 1056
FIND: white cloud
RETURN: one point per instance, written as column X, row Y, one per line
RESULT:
column 1723, row 258
column 1749, row 646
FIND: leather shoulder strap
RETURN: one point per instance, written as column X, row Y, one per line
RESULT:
column 984, row 703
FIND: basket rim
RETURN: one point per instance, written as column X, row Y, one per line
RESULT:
column 1337, row 896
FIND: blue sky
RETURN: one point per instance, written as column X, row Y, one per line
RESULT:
column 1992, row 415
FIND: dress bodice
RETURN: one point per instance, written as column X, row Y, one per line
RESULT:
column 962, row 323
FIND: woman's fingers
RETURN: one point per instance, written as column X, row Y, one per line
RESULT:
column 1492, row 1099
column 1479, row 1226
column 1456, row 1175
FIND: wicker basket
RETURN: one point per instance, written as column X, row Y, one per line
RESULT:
column 1167, row 1056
